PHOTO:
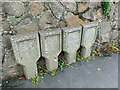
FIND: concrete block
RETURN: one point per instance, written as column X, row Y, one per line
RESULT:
column 51, row 44
column 89, row 34
column 114, row 34
column 26, row 49
column 104, row 31
column 71, row 42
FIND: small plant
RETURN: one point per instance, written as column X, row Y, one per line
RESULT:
column 114, row 47
column 43, row 71
column 61, row 64
column 34, row 79
column 79, row 58
column 96, row 53
column 105, row 7
column 53, row 72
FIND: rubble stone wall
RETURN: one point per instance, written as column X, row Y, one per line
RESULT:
column 25, row 17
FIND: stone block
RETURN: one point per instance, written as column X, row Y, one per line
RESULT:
column 26, row 26
column 26, row 49
column 71, row 42
column 119, row 10
column 47, row 21
column 5, row 25
column 1, row 52
column 72, row 19
column 1, row 57
column 119, row 23
column 69, row 6
column 89, row 34
column 104, row 31
column 9, row 66
column 95, row 3
column 36, row 8
column 51, row 44
column 14, row 8
column 58, row 10
column 114, row 34
column 82, row 6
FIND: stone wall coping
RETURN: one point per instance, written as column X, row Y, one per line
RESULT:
column 50, row 32
column 21, row 37
column 90, row 24
column 72, row 28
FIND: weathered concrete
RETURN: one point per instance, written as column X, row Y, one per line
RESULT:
column 51, row 47
column 104, row 31
column 1, row 57
column 88, row 38
column 71, row 42
column 27, row 52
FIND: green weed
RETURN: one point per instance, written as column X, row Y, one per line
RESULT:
column 105, row 7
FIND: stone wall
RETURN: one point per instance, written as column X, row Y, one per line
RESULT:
column 25, row 17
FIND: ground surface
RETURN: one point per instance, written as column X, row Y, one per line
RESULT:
column 80, row 75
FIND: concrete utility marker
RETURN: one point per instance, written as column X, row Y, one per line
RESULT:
column 88, row 37
column 26, row 49
column 71, row 42
column 51, row 46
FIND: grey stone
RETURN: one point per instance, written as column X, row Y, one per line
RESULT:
column 47, row 21
column 5, row 24
column 119, row 10
column 1, row 52
column 26, row 26
column 71, row 42
column 51, row 44
column 113, row 12
column 70, row 6
column 9, row 66
column 89, row 14
column 94, row 14
column 14, row 8
column 6, row 41
column 119, row 23
column 82, row 6
column 27, row 52
column 104, row 32
column 95, row 3
column 1, row 38
column 88, row 38
column 1, row 57
column 36, row 8
column 57, row 9
column 0, row 20
column 1, row 4
column 114, row 34
column 1, row 10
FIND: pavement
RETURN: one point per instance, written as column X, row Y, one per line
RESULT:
column 79, row 75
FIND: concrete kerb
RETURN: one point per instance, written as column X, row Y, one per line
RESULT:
column 71, row 42
column 27, row 52
column 51, row 46
column 89, row 34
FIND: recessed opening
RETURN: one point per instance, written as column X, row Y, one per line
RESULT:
column 41, row 63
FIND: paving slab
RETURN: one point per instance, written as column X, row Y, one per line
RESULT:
column 51, row 46
column 71, row 42
column 26, row 50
